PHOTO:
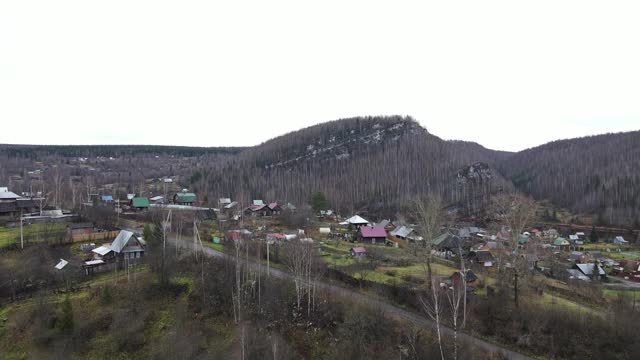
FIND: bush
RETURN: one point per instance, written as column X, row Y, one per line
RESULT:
column 391, row 272
column 65, row 322
column 413, row 279
column 105, row 297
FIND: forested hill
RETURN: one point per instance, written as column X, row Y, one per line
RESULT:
column 373, row 163
column 597, row 175
column 39, row 151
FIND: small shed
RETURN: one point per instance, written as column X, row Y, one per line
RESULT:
column 358, row 252
column 619, row 240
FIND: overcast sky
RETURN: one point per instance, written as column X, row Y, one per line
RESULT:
column 505, row 74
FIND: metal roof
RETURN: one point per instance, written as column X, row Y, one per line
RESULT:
column 8, row 195
column 383, row 223
column 121, row 240
column 94, row 262
column 359, row 250
column 185, row 197
column 587, row 269
column 273, row 205
column 62, row 264
column 402, row 231
column 102, row 250
column 258, row 202
column 357, row 220
column 373, row 232
column 140, row 202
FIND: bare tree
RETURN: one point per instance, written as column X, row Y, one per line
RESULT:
column 432, row 305
column 430, row 217
column 298, row 261
column 514, row 212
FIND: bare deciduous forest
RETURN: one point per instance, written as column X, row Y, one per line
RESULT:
column 373, row 164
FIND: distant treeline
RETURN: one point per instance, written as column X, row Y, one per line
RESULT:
column 37, row 151
column 597, row 175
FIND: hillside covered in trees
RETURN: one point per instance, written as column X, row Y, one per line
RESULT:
column 597, row 175
column 375, row 164
column 379, row 164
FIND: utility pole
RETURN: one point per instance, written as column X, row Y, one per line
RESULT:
column 21, row 232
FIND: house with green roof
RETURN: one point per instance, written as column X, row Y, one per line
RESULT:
column 184, row 198
column 523, row 239
column 561, row 242
column 140, row 203
column 438, row 240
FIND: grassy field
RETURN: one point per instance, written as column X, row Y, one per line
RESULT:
column 214, row 246
column 31, row 233
column 384, row 273
column 612, row 294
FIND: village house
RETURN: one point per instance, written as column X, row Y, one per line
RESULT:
column 139, row 203
column 402, row 232
column 230, row 207
column 157, row 200
column 356, row 221
column 126, row 248
column 447, row 245
column 588, row 269
column 561, row 243
column 629, row 269
column 257, row 210
column 469, row 276
column 12, row 204
column 483, row 258
column 184, row 198
column 275, row 208
column 372, row 234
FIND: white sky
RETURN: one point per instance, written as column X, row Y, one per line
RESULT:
column 506, row 74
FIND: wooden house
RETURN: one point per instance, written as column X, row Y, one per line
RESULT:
column 275, row 208
column 372, row 234
column 483, row 258
column 184, row 198
column 139, row 203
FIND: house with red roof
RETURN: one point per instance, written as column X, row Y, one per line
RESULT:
column 358, row 252
column 372, row 234
column 258, row 210
column 275, row 208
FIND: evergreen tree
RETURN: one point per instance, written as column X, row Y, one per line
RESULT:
column 65, row 321
column 593, row 237
column 319, row 201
